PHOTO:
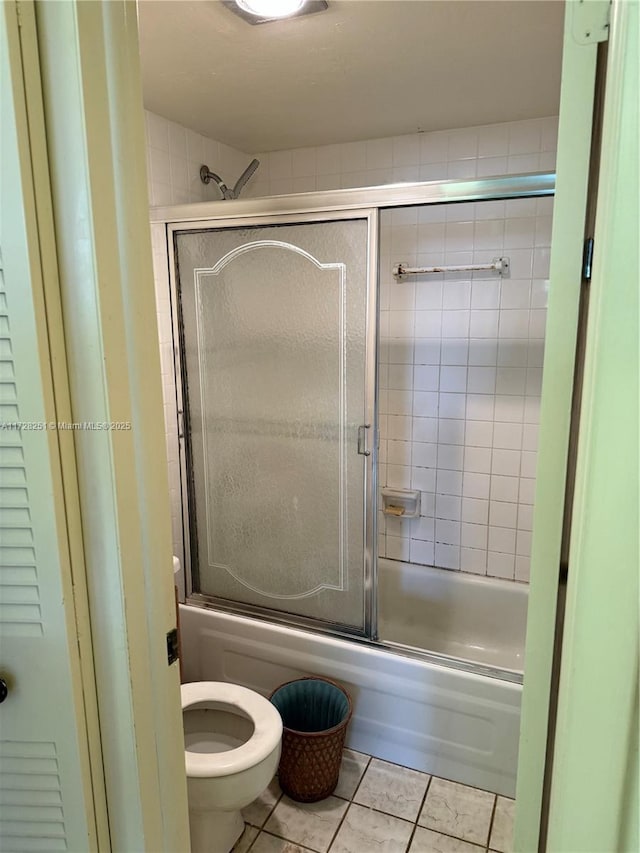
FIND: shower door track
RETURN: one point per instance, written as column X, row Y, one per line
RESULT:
column 320, row 207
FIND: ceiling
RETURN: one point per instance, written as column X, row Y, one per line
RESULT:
column 363, row 69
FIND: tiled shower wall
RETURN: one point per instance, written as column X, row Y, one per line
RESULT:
column 460, row 378
column 174, row 157
column 498, row 149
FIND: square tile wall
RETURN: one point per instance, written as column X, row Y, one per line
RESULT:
column 498, row 149
column 174, row 157
column 460, row 375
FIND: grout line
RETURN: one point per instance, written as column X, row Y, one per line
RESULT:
column 259, row 826
column 342, row 820
column 379, row 811
column 364, row 773
column 282, row 838
column 415, row 825
column 493, row 814
column 254, row 840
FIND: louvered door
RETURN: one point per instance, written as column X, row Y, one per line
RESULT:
column 45, row 797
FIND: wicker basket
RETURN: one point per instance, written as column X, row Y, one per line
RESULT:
column 315, row 714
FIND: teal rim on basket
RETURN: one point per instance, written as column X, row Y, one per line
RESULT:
column 312, row 705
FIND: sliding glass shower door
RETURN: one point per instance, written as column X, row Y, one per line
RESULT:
column 275, row 363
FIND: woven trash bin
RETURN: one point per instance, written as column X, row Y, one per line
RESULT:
column 315, row 714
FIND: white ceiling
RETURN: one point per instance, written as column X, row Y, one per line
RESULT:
column 363, row 69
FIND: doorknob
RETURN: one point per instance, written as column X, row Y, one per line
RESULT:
column 4, row 690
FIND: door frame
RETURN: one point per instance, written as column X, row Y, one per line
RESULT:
column 30, row 233
column 107, row 369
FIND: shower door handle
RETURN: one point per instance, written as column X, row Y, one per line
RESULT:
column 362, row 440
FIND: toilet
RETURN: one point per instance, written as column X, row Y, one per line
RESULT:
column 232, row 739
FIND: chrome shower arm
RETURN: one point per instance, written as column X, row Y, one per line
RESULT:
column 206, row 176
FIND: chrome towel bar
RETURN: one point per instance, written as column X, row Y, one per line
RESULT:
column 499, row 265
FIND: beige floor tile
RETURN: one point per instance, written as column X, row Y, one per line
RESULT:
column 259, row 810
column 502, row 829
column 351, row 769
column 366, row 830
column 270, row 844
column 427, row 841
column 395, row 790
column 246, row 839
column 458, row 810
column 312, row 825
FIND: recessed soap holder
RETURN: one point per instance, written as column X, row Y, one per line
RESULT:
column 401, row 503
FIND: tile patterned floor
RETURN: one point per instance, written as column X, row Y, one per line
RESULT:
column 380, row 807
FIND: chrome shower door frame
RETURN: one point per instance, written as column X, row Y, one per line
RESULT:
column 370, row 216
column 319, row 207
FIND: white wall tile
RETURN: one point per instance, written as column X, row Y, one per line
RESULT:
column 397, row 548
column 479, row 433
column 423, row 479
column 449, row 482
column 447, row 556
column 473, row 560
column 500, row 565
column 423, row 528
column 503, row 514
column 425, row 429
column 455, row 324
column 451, row 431
column 477, row 460
column 450, row 456
column 379, row 153
column 447, row 532
column 475, row 511
column 398, row 453
column 504, row 488
column 474, row 536
column 476, row 485
column 422, row 552
column 424, row 455
column 448, row 507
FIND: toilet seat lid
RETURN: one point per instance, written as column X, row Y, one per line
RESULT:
column 267, row 732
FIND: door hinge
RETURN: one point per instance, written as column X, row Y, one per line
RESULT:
column 590, row 22
column 172, row 646
column 587, row 259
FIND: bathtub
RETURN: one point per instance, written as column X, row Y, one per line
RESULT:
column 412, row 710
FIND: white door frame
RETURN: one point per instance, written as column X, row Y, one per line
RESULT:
column 84, row 56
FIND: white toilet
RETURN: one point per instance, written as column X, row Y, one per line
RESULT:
column 232, row 739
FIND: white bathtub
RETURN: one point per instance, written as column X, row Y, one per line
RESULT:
column 453, row 613
column 456, row 724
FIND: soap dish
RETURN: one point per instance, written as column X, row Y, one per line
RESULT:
column 401, row 503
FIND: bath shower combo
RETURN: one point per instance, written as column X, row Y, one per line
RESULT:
column 279, row 421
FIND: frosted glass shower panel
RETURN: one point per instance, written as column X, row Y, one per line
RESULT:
column 274, row 324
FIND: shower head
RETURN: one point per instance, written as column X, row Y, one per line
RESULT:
column 244, row 177
column 206, row 176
